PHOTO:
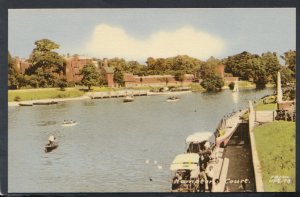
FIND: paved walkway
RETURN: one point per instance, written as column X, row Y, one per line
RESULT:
column 238, row 151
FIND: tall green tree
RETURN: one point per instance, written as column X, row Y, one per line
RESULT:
column 212, row 83
column 90, row 76
column 290, row 60
column 46, row 62
column 258, row 72
column 271, row 64
column 238, row 65
column 286, row 75
column 119, row 76
column 12, row 73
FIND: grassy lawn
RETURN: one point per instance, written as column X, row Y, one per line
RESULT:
column 266, row 107
column 196, row 87
column 269, row 104
column 43, row 93
column 246, row 84
column 275, row 143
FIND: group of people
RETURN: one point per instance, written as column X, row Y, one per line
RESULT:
column 206, row 174
column 51, row 140
column 204, row 180
column 68, row 121
column 173, row 98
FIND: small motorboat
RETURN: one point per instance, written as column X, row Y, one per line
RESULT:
column 25, row 104
column 50, row 147
column 173, row 99
column 69, row 123
column 45, row 103
column 52, row 144
column 128, row 99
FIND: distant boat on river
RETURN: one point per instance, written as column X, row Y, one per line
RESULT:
column 45, row 103
column 69, row 123
column 128, row 99
column 173, row 99
column 25, row 104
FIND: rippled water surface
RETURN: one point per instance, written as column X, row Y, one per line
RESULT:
column 107, row 151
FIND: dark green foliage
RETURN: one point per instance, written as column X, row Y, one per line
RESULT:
column 179, row 76
column 287, row 76
column 62, row 83
column 90, row 77
column 238, row 65
column 290, row 60
column 231, row 85
column 118, row 76
column 260, row 69
column 212, row 83
column 47, row 64
column 12, row 73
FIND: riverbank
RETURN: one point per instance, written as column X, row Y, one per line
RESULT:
column 16, row 103
column 56, row 93
column 101, row 95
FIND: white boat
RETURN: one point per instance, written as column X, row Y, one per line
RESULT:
column 197, row 142
column 185, row 170
column 128, row 99
column 69, row 123
column 172, row 99
column 236, row 87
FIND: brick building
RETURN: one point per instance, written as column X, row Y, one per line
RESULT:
column 74, row 65
column 22, row 65
column 220, row 70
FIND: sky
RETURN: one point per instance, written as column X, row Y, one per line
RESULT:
column 135, row 34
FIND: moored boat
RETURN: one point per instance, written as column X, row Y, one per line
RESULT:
column 128, row 99
column 25, row 104
column 50, row 147
column 45, row 103
column 69, row 123
column 200, row 142
column 173, row 99
column 185, row 168
column 52, row 144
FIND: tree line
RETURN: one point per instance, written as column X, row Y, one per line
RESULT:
column 48, row 68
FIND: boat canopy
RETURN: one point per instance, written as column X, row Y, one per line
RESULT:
column 188, row 161
column 199, row 137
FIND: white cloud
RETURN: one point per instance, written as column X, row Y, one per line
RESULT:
column 109, row 41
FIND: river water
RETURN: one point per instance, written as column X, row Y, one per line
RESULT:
column 109, row 149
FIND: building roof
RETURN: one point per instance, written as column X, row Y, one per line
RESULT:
column 109, row 69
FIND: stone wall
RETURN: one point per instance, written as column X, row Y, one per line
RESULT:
column 131, row 80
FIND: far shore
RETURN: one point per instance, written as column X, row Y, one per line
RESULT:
column 14, row 103
column 86, row 96
column 29, row 96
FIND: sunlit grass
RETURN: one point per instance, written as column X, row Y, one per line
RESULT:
column 275, row 143
column 42, row 93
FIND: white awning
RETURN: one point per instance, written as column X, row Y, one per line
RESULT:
column 188, row 161
column 200, row 137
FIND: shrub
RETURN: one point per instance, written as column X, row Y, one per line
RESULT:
column 212, row 83
column 231, row 85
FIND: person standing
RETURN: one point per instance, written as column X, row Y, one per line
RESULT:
column 209, row 176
